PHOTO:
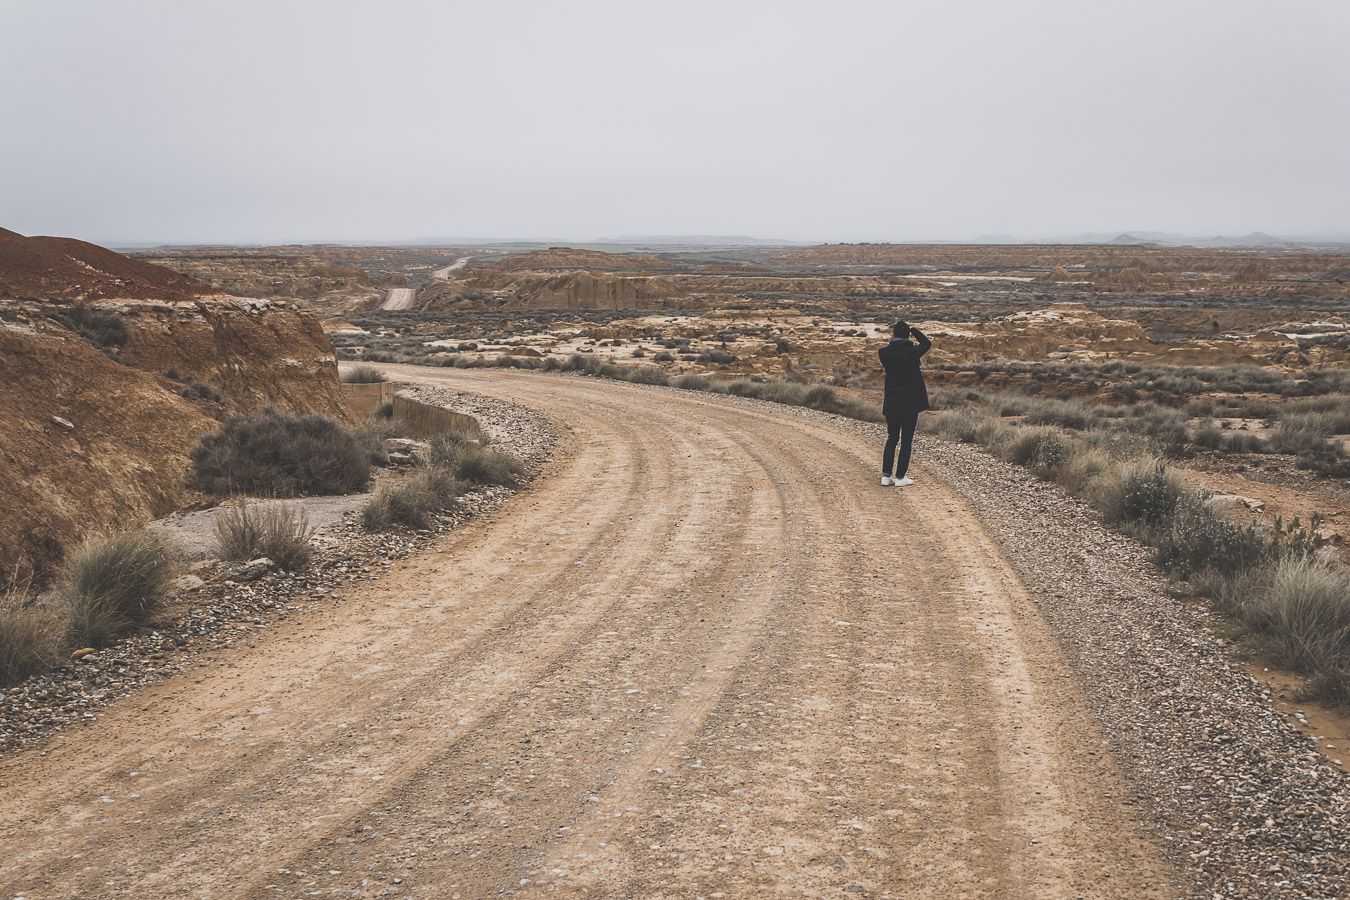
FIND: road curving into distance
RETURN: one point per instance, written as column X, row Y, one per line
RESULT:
column 705, row 653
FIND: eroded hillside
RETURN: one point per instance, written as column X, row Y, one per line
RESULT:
column 104, row 399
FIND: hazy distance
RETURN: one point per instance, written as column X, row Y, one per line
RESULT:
column 265, row 122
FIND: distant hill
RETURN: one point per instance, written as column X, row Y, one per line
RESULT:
column 700, row 240
column 63, row 268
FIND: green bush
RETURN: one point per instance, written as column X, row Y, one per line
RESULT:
column 112, row 583
column 280, row 532
column 272, row 453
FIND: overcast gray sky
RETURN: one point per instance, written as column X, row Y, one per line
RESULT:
column 280, row 120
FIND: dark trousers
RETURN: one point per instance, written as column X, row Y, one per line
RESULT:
column 899, row 428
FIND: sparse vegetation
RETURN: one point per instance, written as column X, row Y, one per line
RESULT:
column 280, row 532
column 1279, row 584
column 273, row 453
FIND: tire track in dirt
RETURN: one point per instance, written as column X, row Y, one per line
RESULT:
column 706, row 653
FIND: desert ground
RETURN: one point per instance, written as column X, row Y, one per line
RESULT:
column 638, row 619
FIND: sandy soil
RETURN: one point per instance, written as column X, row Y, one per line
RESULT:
column 706, row 655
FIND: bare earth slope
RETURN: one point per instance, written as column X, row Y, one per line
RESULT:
column 684, row 664
column 51, row 267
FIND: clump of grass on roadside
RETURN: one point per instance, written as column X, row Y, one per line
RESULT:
column 476, row 464
column 1303, row 617
column 412, row 500
column 112, row 583
column 280, row 532
column 30, row 633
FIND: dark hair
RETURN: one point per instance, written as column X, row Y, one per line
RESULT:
column 901, row 329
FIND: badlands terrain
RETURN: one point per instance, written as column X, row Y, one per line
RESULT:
column 702, row 652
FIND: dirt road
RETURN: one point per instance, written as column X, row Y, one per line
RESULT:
column 446, row 272
column 706, row 655
column 399, row 298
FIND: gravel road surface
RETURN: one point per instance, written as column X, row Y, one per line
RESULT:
column 707, row 656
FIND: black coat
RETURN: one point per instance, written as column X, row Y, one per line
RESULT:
column 906, row 392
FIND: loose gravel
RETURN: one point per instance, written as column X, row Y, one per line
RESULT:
column 223, row 611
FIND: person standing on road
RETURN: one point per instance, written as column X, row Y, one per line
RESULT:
column 906, row 397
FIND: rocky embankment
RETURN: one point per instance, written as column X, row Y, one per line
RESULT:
column 218, row 604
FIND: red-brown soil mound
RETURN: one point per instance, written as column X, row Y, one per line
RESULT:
column 53, row 267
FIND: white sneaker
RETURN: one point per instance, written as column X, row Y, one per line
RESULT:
column 901, row 482
column 886, row 480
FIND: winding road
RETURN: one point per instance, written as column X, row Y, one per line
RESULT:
column 706, row 654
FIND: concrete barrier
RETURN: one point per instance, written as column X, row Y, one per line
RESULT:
column 363, row 400
column 421, row 420
column 413, row 418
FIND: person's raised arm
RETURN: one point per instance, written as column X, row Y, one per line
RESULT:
column 922, row 340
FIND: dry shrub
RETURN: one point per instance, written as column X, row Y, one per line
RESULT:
column 1298, row 436
column 364, row 375
column 475, row 463
column 280, row 532
column 1140, row 492
column 959, row 424
column 1304, row 619
column 691, row 382
column 1197, row 538
column 274, row 453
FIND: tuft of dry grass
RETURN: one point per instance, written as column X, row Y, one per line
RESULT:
column 30, row 633
column 413, row 500
column 113, row 582
column 477, row 464
column 1304, row 620
column 280, row 532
